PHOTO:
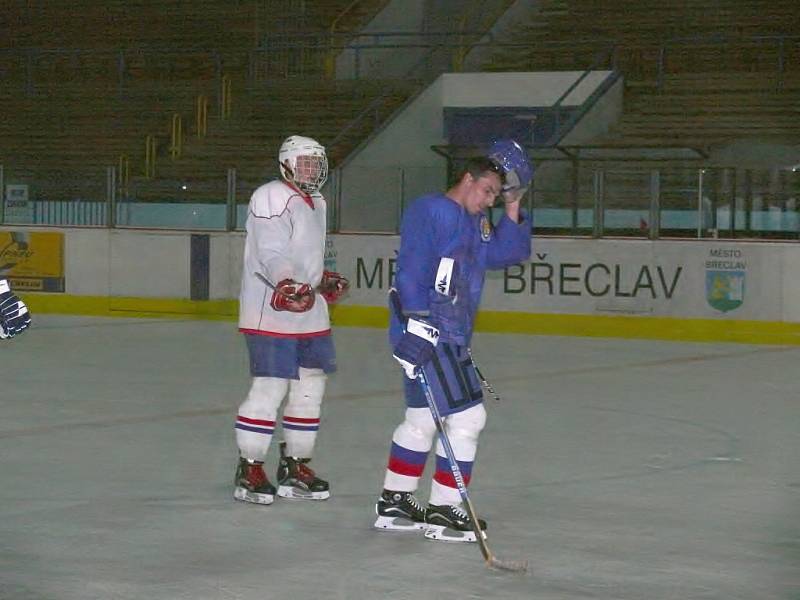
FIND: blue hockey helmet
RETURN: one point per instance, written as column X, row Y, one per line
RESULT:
column 514, row 161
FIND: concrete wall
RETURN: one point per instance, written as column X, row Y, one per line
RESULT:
column 599, row 119
column 396, row 164
column 517, row 89
column 370, row 182
column 406, row 139
column 369, row 63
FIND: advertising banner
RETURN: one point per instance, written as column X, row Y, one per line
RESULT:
column 32, row 261
column 711, row 280
column 18, row 207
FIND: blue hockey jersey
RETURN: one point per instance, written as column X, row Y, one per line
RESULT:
column 434, row 227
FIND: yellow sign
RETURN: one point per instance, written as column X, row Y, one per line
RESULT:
column 32, row 261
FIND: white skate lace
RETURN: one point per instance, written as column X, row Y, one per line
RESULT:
column 412, row 500
column 460, row 513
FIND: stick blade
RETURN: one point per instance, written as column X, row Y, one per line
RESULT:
column 518, row 566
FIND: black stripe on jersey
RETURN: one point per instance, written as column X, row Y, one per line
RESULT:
column 458, row 373
column 285, row 208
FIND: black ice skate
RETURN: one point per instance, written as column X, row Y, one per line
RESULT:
column 450, row 523
column 298, row 481
column 252, row 484
column 399, row 511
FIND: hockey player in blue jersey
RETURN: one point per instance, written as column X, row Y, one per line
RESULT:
column 447, row 243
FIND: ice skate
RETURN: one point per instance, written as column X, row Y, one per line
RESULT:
column 296, row 480
column 399, row 511
column 252, row 484
column 448, row 523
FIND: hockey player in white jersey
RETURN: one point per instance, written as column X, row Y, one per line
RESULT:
column 283, row 313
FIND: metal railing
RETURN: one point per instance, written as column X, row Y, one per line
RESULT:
column 373, row 109
column 574, row 198
column 315, row 54
column 120, row 63
column 778, row 41
column 602, row 59
column 330, row 58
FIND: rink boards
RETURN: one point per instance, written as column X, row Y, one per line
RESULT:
column 667, row 289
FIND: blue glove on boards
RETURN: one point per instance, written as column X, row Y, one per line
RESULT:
column 416, row 346
column 14, row 315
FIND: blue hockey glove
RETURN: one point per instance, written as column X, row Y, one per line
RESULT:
column 416, row 346
column 14, row 315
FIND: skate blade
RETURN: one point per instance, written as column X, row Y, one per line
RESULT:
column 246, row 495
column 398, row 524
column 293, row 493
column 440, row 533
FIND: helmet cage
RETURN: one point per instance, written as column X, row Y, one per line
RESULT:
column 303, row 162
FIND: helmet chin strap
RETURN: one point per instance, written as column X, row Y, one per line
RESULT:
column 307, row 187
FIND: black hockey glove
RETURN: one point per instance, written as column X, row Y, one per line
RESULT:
column 14, row 315
column 416, row 346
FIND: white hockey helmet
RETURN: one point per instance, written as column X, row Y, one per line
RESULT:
column 308, row 175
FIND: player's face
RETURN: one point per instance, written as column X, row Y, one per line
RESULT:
column 482, row 192
column 309, row 169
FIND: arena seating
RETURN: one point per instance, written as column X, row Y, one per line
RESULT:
column 717, row 81
column 73, row 104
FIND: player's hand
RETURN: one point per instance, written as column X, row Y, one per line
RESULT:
column 416, row 347
column 513, row 195
column 333, row 286
column 292, row 296
column 14, row 315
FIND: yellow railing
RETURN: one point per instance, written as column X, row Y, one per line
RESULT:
column 150, row 156
column 463, row 48
column 176, row 136
column 330, row 57
column 201, row 116
column 124, row 173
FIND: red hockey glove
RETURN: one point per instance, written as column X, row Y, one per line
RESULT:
column 292, row 296
column 333, row 286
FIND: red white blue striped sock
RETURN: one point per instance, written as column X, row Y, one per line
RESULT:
column 300, row 434
column 253, row 436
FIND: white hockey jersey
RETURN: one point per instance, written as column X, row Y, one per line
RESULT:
column 285, row 240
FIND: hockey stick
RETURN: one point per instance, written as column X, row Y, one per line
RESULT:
column 483, row 379
column 274, row 288
column 491, row 560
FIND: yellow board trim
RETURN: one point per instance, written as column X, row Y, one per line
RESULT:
column 660, row 328
column 104, row 306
